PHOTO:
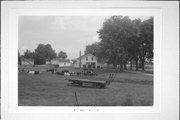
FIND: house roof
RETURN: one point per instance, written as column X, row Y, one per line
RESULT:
column 26, row 59
column 85, row 56
column 64, row 60
column 61, row 60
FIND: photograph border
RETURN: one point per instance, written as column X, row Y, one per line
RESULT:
column 10, row 13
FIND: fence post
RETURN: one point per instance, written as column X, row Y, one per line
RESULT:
column 76, row 99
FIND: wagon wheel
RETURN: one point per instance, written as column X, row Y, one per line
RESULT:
column 102, row 86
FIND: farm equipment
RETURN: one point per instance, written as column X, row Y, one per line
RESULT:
column 91, row 83
column 51, row 70
column 64, row 72
column 89, row 72
column 35, row 72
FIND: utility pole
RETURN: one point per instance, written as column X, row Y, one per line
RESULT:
column 80, row 59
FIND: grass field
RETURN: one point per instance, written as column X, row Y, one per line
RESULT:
column 46, row 89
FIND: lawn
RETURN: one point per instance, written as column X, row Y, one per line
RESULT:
column 46, row 89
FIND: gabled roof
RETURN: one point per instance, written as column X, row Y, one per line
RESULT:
column 26, row 59
column 85, row 56
column 61, row 60
column 64, row 60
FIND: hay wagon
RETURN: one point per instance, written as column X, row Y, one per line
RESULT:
column 91, row 83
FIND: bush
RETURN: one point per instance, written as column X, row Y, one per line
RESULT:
column 19, row 61
column 98, row 67
column 56, row 65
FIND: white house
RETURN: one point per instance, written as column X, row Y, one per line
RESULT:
column 87, row 60
column 65, row 63
column 61, row 62
column 55, row 61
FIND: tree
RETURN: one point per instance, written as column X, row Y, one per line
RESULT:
column 29, row 54
column 97, row 50
column 146, row 41
column 114, row 37
column 45, row 52
column 125, row 40
column 19, row 58
column 62, row 55
column 134, row 43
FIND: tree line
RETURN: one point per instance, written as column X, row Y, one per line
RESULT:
column 42, row 54
column 124, row 40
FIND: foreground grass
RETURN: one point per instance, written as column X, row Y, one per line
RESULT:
column 48, row 89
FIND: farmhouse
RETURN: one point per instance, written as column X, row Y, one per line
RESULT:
column 87, row 60
column 25, row 61
column 61, row 62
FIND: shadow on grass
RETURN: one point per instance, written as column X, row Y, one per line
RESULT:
column 91, row 86
column 129, row 101
column 142, row 82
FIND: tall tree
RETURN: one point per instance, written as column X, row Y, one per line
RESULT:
column 125, row 40
column 45, row 52
column 114, row 35
column 19, row 58
column 146, row 41
column 62, row 55
column 28, row 54
column 133, row 43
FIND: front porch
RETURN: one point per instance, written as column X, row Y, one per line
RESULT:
column 90, row 65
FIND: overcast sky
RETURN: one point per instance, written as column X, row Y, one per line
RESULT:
column 65, row 33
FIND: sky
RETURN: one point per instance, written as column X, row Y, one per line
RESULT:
column 70, row 34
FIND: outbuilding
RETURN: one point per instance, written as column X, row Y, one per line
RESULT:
column 61, row 62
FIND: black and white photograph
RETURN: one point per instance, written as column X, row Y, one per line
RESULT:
column 89, row 60
column 74, row 60
column 85, row 60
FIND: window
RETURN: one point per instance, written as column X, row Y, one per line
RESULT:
column 86, row 58
column 92, row 58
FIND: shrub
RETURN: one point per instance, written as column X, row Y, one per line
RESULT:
column 19, row 61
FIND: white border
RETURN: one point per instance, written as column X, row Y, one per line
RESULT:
column 10, row 13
